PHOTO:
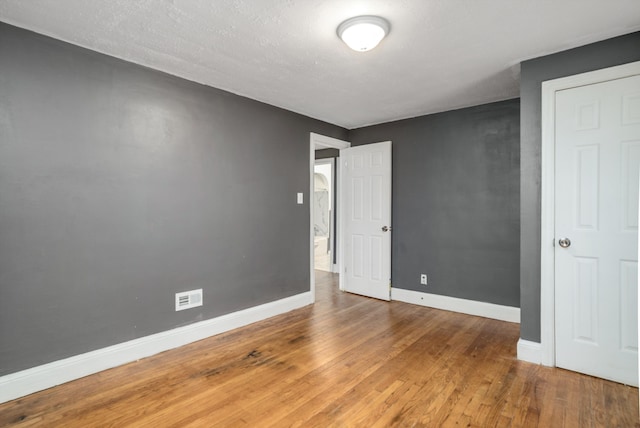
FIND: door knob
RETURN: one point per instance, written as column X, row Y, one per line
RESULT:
column 386, row 228
column 565, row 242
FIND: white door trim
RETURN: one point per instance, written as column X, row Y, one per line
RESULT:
column 317, row 141
column 547, row 211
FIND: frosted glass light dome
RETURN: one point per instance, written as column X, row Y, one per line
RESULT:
column 363, row 33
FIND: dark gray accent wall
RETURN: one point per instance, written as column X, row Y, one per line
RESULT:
column 608, row 53
column 120, row 186
column 456, row 206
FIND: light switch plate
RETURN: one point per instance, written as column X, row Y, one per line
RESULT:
column 300, row 198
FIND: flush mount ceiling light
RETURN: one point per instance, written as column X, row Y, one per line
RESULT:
column 363, row 33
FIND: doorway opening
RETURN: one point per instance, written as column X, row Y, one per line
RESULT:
column 329, row 148
column 324, row 214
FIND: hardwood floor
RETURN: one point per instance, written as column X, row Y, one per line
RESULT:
column 347, row 361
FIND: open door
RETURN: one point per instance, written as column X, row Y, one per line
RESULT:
column 366, row 208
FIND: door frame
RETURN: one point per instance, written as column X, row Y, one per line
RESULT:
column 317, row 141
column 547, row 197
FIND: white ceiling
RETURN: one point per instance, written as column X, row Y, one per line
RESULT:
column 440, row 54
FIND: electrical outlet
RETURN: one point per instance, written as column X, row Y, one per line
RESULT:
column 423, row 278
column 188, row 299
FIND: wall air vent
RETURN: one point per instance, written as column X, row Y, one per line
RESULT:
column 188, row 299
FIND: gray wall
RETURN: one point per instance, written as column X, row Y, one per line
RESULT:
column 120, row 186
column 327, row 153
column 456, row 210
column 608, row 53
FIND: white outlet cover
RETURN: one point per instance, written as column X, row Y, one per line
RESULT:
column 300, row 198
column 188, row 299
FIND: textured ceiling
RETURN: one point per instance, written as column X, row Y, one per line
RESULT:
column 440, row 54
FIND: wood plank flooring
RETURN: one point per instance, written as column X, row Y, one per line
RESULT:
column 347, row 361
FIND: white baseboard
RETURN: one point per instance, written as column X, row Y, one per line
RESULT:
column 38, row 378
column 454, row 304
column 529, row 351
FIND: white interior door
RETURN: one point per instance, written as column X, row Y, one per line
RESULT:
column 366, row 178
column 596, row 227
